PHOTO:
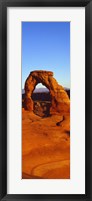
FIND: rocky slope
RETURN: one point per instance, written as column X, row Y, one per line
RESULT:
column 45, row 146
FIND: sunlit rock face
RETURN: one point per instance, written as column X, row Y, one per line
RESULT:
column 60, row 102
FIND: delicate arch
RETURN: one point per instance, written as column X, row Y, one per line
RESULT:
column 59, row 98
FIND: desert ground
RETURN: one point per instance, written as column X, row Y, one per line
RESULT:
column 45, row 144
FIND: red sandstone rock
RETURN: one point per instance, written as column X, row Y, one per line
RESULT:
column 60, row 102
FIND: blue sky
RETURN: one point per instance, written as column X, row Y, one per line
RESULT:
column 46, row 46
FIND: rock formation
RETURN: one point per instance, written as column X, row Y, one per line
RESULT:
column 60, row 102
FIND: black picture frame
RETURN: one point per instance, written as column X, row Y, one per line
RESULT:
column 3, row 99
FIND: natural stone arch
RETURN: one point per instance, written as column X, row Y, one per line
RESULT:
column 59, row 99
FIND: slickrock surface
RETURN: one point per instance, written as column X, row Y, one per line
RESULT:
column 45, row 146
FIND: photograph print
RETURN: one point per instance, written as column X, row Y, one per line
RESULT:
column 46, row 100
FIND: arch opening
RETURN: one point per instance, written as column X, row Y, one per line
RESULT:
column 41, row 100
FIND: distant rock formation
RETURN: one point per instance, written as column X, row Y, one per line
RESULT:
column 60, row 102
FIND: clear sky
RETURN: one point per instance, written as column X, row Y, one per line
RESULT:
column 46, row 46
